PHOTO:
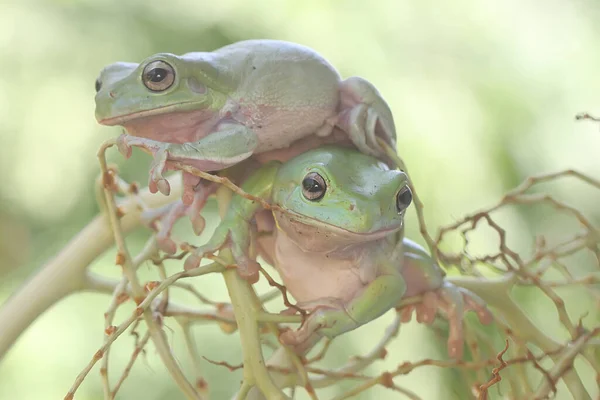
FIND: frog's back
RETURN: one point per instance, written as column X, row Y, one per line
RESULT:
column 285, row 73
column 263, row 52
column 289, row 89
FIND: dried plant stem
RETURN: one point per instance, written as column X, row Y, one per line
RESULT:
column 496, row 293
column 65, row 273
column 246, row 306
column 156, row 333
column 192, row 348
column 136, row 352
column 563, row 363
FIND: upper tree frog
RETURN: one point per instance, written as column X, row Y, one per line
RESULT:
column 215, row 109
column 338, row 244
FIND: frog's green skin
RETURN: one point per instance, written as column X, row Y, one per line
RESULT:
column 215, row 109
column 342, row 256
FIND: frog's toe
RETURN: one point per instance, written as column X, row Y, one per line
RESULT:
column 476, row 304
column 299, row 336
column 290, row 337
column 452, row 303
column 247, row 267
column 157, row 181
column 163, row 186
column 189, row 187
column 456, row 346
column 353, row 122
column 427, row 309
column 456, row 337
column 200, row 194
column 365, row 116
column 167, row 221
column 122, row 145
column 406, row 313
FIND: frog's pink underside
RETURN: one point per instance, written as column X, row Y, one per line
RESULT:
column 276, row 127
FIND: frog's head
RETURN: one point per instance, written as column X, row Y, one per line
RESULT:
column 144, row 95
column 335, row 197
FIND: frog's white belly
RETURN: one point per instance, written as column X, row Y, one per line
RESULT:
column 310, row 276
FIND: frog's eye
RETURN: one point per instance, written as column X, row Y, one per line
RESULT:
column 403, row 199
column 313, row 187
column 158, row 76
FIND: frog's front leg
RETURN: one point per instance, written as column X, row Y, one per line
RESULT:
column 332, row 318
column 365, row 115
column 235, row 230
column 228, row 145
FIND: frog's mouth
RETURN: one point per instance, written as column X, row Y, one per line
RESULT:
column 174, row 109
column 165, row 124
column 299, row 224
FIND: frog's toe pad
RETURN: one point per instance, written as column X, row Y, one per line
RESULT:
column 163, row 186
column 250, row 271
column 294, row 338
column 123, row 147
column 476, row 304
column 456, row 347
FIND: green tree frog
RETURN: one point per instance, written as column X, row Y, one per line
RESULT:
column 215, row 109
column 338, row 244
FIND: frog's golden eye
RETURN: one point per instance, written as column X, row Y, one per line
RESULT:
column 403, row 199
column 158, row 76
column 313, row 187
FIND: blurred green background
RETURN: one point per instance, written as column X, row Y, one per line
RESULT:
column 483, row 93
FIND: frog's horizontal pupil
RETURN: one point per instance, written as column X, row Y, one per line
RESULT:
column 313, row 186
column 157, row 74
column 403, row 199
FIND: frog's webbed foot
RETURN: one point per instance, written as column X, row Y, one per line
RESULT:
column 159, row 151
column 365, row 115
column 454, row 301
column 237, row 236
column 330, row 318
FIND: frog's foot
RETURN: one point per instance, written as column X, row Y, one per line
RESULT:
column 235, row 235
column 195, row 195
column 170, row 214
column 158, row 150
column 454, row 302
column 365, row 115
column 329, row 319
column 167, row 216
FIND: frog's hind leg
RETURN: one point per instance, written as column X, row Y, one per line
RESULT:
column 365, row 115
